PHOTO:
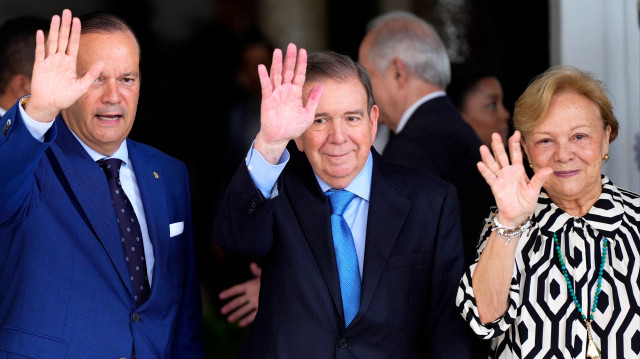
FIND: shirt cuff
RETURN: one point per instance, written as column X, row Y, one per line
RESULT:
column 36, row 128
column 264, row 174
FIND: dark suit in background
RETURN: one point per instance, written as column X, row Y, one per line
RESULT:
column 436, row 140
column 413, row 260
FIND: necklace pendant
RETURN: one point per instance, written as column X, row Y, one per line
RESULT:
column 592, row 350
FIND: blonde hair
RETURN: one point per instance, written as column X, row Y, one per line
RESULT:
column 533, row 105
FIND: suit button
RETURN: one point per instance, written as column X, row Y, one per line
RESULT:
column 253, row 203
column 135, row 317
column 342, row 343
column 252, row 206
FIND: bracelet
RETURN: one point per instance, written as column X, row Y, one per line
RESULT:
column 506, row 232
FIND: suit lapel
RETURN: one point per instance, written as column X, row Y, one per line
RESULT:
column 387, row 212
column 313, row 213
column 88, row 184
column 154, row 202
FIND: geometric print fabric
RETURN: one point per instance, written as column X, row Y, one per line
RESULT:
column 346, row 256
column 131, row 235
column 541, row 320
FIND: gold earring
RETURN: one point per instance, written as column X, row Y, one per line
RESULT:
column 605, row 157
column 530, row 165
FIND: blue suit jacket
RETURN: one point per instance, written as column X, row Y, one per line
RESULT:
column 412, row 266
column 65, row 290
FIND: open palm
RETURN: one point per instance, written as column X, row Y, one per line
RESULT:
column 55, row 83
column 283, row 115
column 516, row 196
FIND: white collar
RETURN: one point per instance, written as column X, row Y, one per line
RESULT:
column 409, row 112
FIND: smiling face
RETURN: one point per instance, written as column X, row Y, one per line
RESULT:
column 572, row 140
column 338, row 142
column 483, row 110
column 102, row 118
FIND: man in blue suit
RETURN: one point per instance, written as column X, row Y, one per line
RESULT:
column 361, row 258
column 78, row 280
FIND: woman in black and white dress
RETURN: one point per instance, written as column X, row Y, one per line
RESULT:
column 558, row 272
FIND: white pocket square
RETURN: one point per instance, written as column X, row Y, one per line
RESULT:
column 176, row 228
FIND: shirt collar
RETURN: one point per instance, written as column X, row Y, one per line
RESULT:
column 2, row 111
column 409, row 112
column 605, row 215
column 361, row 184
column 122, row 153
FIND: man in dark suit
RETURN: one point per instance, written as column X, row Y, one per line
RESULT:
column 80, row 277
column 409, row 69
column 371, row 277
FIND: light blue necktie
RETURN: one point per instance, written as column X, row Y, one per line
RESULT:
column 346, row 256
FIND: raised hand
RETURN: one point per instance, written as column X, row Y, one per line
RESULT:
column 283, row 116
column 55, row 84
column 516, row 196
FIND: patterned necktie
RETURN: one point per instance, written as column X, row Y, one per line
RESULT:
column 346, row 256
column 129, row 230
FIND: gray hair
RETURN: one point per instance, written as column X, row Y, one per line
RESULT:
column 324, row 65
column 414, row 41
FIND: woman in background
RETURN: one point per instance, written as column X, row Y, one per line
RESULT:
column 476, row 92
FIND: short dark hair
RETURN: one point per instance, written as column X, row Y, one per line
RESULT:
column 102, row 21
column 18, row 47
column 324, row 65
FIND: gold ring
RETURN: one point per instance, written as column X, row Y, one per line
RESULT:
column 498, row 173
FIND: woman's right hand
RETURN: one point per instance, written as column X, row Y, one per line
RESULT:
column 515, row 195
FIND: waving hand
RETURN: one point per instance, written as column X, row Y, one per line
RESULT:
column 55, row 84
column 283, row 116
column 515, row 194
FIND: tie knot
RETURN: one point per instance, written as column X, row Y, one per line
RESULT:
column 339, row 199
column 111, row 167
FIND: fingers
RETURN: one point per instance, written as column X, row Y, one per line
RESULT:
column 92, row 74
column 499, row 151
column 488, row 160
column 255, row 269
column 313, row 100
column 52, row 38
column 488, row 175
column 248, row 319
column 265, row 82
column 74, row 39
column 301, row 68
column 39, row 46
column 514, row 148
column 65, row 29
column 240, row 312
column 276, row 68
column 539, row 178
column 232, row 292
column 233, row 305
column 289, row 64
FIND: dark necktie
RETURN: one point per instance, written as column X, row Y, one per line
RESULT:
column 129, row 230
column 346, row 256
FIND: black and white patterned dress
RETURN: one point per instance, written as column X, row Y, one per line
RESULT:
column 542, row 320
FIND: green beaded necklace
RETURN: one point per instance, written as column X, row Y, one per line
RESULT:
column 592, row 349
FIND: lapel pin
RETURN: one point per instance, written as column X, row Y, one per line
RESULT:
column 155, row 174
